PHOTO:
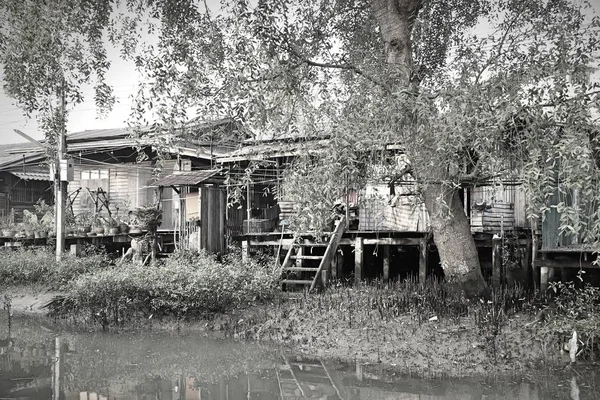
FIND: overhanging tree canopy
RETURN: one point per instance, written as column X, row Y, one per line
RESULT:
column 371, row 71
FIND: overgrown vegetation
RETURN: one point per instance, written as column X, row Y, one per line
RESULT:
column 186, row 285
column 39, row 266
column 577, row 309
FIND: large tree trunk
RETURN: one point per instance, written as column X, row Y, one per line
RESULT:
column 451, row 229
column 453, row 238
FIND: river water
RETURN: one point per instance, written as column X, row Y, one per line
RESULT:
column 37, row 361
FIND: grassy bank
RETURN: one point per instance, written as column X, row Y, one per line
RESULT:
column 184, row 286
column 427, row 329
column 38, row 266
column 431, row 330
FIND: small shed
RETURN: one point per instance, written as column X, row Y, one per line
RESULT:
column 202, row 191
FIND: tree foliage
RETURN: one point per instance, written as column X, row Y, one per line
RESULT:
column 515, row 103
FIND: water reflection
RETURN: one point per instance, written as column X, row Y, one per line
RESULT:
column 37, row 364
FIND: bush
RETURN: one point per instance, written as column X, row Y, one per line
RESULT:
column 39, row 266
column 187, row 284
column 574, row 309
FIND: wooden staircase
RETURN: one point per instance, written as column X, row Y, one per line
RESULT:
column 302, row 267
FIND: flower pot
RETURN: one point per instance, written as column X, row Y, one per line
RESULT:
column 84, row 230
column 8, row 233
column 99, row 230
column 114, row 231
column 91, row 234
column 124, row 228
column 135, row 230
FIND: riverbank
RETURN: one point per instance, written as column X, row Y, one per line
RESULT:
column 380, row 325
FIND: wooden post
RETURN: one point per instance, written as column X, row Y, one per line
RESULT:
column 526, row 265
column 386, row 263
column 496, row 261
column 544, row 278
column 423, row 260
column 534, row 248
column 358, row 259
column 76, row 249
column 245, row 251
column 248, row 204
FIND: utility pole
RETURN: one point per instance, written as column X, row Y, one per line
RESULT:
column 61, row 181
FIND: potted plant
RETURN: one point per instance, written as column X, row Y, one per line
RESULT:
column 7, row 223
column 111, row 226
column 31, row 224
column 84, row 223
column 99, row 222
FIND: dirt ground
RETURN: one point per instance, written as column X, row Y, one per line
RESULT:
column 30, row 300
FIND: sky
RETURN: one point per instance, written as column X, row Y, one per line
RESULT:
column 122, row 77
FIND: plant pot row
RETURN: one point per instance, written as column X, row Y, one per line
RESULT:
column 10, row 233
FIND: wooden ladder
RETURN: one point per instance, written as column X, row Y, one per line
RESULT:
column 310, row 274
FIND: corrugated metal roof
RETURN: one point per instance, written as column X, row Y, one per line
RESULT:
column 32, row 176
column 95, row 134
column 190, row 178
column 263, row 151
column 7, row 155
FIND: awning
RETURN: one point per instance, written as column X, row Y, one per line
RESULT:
column 32, row 176
column 190, row 178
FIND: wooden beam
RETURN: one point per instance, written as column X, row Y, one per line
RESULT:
column 423, row 255
column 358, row 259
column 330, row 252
column 496, row 261
column 386, row 263
column 245, row 251
column 390, row 241
column 563, row 263
column 526, row 265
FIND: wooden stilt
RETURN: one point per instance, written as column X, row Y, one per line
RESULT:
column 386, row 263
column 544, row 278
column 496, row 261
column 423, row 256
column 534, row 255
column 526, row 265
column 358, row 259
column 245, row 251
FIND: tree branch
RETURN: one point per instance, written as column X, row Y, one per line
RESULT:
column 345, row 66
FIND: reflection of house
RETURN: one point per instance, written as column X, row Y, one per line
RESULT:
column 21, row 184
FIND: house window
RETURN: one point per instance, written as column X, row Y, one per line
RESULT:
column 96, row 181
column 94, row 174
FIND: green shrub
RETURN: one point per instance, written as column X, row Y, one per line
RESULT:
column 187, row 284
column 39, row 266
column 573, row 309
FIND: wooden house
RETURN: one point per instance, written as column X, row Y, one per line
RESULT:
column 113, row 171
column 23, row 180
column 387, row 234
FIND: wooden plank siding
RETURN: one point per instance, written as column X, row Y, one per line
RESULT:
column 212, row 217
column 127, row 185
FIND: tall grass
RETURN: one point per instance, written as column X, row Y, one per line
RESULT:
column 39, row 266
column 186, row 285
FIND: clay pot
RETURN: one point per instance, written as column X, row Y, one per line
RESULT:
column 135, row 230
column 99, row 230
column 8, row 233
column 124, row 228
column 114, row 231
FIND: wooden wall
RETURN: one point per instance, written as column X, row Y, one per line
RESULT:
column 212, row 211
column 127, row 185
column 500, row 198
column 18, row 195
